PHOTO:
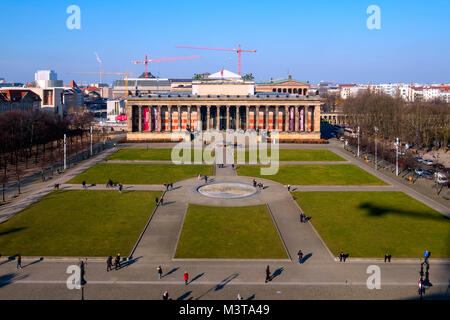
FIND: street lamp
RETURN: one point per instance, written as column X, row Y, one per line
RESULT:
column 396, row 156
column 358, row 141
column 376, row 156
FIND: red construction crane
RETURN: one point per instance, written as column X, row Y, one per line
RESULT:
column 238, row 50
column 147, row 61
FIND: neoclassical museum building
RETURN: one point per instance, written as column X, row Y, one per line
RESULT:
column 225, row 101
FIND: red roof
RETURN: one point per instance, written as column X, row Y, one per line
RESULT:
column 73, row 84
column 14, row 95
column 92, row 88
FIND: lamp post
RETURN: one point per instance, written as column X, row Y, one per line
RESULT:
column 91, row 140
column 396, row 157
column 358, row 141
column 65, row 161
column 376, row 155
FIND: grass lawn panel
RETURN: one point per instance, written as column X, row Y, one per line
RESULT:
column 81, row 223
column 146, row 154
column 298, row 155
column 229, row 233
column 340, row 174
column 140, row 173
column 371, row 224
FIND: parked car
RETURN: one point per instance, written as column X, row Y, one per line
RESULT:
column 428, row 162
column 438, row 166
column 427, row 175
column 419, row 171
column 419, row 159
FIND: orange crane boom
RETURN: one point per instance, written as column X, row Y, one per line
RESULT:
column 238, row 51
column 147, row 61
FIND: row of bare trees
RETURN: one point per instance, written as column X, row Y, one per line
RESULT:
column 29, row 136
column 420, row 124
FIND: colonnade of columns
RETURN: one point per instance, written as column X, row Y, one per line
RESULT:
column 168, row 118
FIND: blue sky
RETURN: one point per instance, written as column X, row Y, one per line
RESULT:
column 311, row 40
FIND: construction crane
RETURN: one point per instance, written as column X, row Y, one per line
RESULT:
column 147, row 61
column 238, row 51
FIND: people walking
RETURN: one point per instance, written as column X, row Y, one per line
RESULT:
column 165, row 295
column 159, row 270
column 117, row 262
column 120, row 188
column 289, row 187
column 341, row 256
column 156, row 200
column 109, row 264
column 300, row 257
column 83, row 184
column 267, row 274
column 186, row 277
column 426, row 255
column 387, row 257
column 19, row 262
column 161, row 202
column 239, row 297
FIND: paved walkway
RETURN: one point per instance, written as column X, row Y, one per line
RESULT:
column 320, row 277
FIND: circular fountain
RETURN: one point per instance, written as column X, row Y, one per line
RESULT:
column 226, row 190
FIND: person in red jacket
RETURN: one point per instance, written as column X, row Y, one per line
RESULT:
column 186, row 277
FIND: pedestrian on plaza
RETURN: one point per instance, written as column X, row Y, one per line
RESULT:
column 166, row 186
column 300, row 257
column 117, row 262
column 83, row 184
column 186, row 277
column 387, row 257
column 289, row 187
column 267, row 274
column 302, row 216
column 156, row 200
column 199, row 177
column 161, row 202
column 120, row 188
column 109, row 264
column 341, row 256
column 159, row 270
column 166, row 295
column 56, row 186
column 171, row 186
column 254, row 183
column 206, row 179
column 19, row 262
column 239, row 297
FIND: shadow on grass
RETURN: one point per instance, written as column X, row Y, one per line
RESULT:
column 9, row 278
column 379, row 211
column 12, row 230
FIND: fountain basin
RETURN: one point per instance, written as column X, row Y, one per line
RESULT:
column 226, row 190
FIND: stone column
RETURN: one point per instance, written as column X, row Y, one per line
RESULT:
column 217, row 117
column 159, row 119
column 238, row 118
column 228, row 117
column 306, row 119
column 296, row 117
column 277, row 118
column 208, row 117
column 140, row 118
column 189, row 117
column 150, row 118
column 247, row 109
column 179, row 117
column 169, row 108
column 267, row 118
column 286, row 119
column 257, row 118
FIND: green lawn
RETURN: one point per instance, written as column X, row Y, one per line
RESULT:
column 371, row 224
column 140, row 173
column 340, row 174
column 146, row 154
column 79, row 223
column 229, row 232
column 298, row 155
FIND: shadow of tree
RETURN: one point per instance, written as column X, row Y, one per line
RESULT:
column 11, row 230
column 9, row 278
column 379, row 211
